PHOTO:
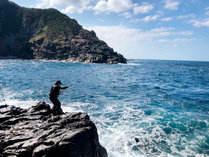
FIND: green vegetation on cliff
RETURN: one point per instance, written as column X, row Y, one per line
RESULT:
column 49, row 34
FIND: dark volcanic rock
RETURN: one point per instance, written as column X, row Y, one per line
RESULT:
column 36, row 133
column 48, row 34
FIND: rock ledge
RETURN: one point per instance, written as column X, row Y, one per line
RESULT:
column 34, row 132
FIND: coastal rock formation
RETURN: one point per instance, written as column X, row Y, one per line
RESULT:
column 34, row 132
column 48, row 34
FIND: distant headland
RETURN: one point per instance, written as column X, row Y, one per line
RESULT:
column 48, row 34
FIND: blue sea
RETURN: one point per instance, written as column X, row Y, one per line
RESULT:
column 164, row 104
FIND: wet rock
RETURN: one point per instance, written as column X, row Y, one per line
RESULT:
column 34, row 132
column 137, row 140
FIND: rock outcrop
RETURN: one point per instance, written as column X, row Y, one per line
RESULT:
column 34, row 132
column 48, row 34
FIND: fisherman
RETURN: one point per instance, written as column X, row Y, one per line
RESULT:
column 53, row 96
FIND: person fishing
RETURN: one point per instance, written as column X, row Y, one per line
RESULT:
column 55, row 92
column 53, row 96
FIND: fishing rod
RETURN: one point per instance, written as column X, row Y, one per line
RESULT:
column 85, row 76
column 3, row 95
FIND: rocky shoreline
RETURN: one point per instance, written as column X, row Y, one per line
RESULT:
column 35, row 132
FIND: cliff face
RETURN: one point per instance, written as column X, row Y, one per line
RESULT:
column 36, row 133
column 48, row 34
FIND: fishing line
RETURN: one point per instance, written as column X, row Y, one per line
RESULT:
column 3, row 95
column 93, row 71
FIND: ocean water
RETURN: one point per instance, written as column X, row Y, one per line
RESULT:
column 165, row 104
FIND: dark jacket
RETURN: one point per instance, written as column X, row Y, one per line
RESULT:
column 55, row 90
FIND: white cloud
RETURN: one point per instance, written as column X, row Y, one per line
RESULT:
column 132, row 35
column 200, row 23
column 135, row 20
column 49, row 3
column 166, row 19
column 101, row 6
column 69, row 6
column 185, row 16
column 142, row 9
column 162, row 29
column 70, row 10
column 176, row 40
column 181, row 40
column 185, row 33
column 150, row 18
column 207, row 13
column 124, row 40
column 127, row 40
column 113, row 6
column 171, row 5
column 127, row 15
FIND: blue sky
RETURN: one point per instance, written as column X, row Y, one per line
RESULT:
column 143, row 29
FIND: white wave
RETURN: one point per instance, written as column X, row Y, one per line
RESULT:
column 118, row 126
column 19, row 103
column 131, row 64
column 56, row 61
column 76, row 106
column 135, row 64
column 72, row 107
column 62, row 61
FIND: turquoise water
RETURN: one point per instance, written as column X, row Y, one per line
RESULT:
column 165, row 104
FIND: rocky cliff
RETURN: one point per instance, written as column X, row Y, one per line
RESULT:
column 36, row 133
column 48, row 34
